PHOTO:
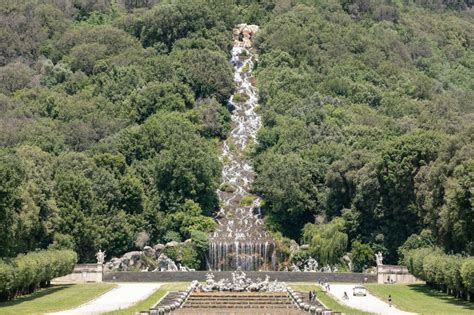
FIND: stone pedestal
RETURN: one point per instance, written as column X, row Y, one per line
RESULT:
column 82, row 273
column 395, row 274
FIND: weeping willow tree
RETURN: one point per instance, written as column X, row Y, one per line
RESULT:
column 327, row 242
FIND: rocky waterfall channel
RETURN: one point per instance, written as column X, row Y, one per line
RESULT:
column 240, row 240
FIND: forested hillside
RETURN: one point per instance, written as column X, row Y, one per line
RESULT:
column 111, row 114
column 368, row 117
column 110, row 117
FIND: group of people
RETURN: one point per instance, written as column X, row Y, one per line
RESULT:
column 312, row 296
column 327, row 288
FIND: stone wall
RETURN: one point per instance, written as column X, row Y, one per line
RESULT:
column 395, row 274
column 82, row 273
column 170, row 276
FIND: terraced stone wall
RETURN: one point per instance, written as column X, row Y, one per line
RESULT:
column 347, row 277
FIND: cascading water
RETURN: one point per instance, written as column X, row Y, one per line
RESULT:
column 240, row 240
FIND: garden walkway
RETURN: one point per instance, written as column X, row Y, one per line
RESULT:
column 367, row 303
column 123, row 296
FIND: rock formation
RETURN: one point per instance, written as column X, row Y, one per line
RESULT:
column 148, row 259
column 243, row 34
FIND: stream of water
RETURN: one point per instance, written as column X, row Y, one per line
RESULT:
column 240, row 240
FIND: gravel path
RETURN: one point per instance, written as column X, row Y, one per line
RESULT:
column 123, row 296
column 367, row 303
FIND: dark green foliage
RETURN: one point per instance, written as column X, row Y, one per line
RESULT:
column 362, row 256
column 207, row 72
column 160, row 96
column 109, row 114
column 28, row 272
column 327, row 242
column 107, row 123
column 185, row 254
column 213, row 118
column 365, row 117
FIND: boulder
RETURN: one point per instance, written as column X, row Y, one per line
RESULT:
column 158, row 247
column 172, row 244
column 166, row 264
column 131, row 258
column 149, row 251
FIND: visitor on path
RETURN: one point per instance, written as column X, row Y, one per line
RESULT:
column 389, row 300
column 314, row 296
column 328, row 288
column 345, row 296
column 310, row 295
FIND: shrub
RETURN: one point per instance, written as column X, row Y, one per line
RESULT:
column 362, row 256
column 27, row 272
column 7, row 279
column 240, row 97
column 246, row 201
column 467, row 275
column 452, row 273
column 185, row 254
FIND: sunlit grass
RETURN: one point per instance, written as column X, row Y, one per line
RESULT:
column 54, row 298
column 420, row 298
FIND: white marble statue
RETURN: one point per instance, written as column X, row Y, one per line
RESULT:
column 312, row 264
column 379, row 258
column 100, row 255
column 295, row 268
column 240, row 283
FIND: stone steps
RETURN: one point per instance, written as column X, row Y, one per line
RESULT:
column 228, row 302
column 237, row 303
column 209, row 311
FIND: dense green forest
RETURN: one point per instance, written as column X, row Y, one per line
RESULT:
column 111, row 114
column 368, row 118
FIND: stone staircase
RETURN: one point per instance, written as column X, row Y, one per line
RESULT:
column 238, row 303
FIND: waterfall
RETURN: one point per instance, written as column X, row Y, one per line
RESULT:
column 240, row 240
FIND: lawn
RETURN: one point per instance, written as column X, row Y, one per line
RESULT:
column 419, row 298
column 145, row 304
column 325, row 299
column 54, row 298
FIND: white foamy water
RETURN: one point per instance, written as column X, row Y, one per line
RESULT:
column 240, row 241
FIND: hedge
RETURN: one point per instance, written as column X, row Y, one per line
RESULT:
column 28, row 272
column 451, row 273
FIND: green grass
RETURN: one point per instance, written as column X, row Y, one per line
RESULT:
column 145, row 304
column 54, row 298
column 325, row 299
column 419, row 298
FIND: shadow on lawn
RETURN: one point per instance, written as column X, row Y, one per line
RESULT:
column 422, row 288
column 36, row 295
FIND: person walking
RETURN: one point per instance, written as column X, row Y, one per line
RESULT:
column 389, row 300
column 310, row 296
column 314, row 296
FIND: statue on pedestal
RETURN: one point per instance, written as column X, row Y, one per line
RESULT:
column 379, row 258
column 100, row 257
